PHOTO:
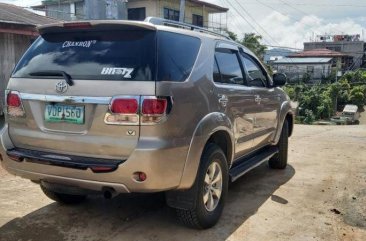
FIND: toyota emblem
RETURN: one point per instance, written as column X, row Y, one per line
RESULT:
column 61, row 87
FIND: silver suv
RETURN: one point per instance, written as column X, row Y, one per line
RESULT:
column 130, row 107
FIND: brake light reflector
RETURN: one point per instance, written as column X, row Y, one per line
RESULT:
column 14, row 104
column 154, row 106
column 124, row 106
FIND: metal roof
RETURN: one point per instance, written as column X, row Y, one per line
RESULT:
column 302, row 61
column 319, row 53
column 17, row 15
column 215, row 7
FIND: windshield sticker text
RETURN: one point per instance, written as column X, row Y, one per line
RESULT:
column 125, row 72
column 83, row 44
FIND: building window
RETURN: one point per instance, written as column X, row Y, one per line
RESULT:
column 138, row 14
column 197, row 20
column 171, row 14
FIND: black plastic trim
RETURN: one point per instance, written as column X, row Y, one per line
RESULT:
column 246, row 164
column 69, row 161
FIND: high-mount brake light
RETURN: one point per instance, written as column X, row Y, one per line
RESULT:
column 77, row 25
column 14, row 105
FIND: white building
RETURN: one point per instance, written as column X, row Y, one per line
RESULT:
column 298, row 69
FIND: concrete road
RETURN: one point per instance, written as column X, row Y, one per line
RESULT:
column 320, row 196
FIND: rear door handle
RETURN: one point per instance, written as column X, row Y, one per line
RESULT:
column 258, row 99
column 223, row 100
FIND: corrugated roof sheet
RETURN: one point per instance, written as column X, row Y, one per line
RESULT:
column 319, row 53
column 303, row 61
column 17, row 15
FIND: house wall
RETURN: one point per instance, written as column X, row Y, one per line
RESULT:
column 12, row 47
column 89, row 9
column 61, row 12
column 156, row 9
column 355, row 49
column 296, row 72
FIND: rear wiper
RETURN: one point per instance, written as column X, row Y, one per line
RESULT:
column 66, row 76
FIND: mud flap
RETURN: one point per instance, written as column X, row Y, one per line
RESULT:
column 182, row 199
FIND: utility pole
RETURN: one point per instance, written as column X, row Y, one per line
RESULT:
column 182, row 9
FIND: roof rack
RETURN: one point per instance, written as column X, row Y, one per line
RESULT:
column 171, row 23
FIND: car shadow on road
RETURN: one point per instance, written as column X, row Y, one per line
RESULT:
column 145, row 217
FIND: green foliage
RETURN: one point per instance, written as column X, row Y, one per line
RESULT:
column 357, row 96
column 358, row 76
column 309, row 117
column 232, row 35
column 324, row 100
column 250, row 40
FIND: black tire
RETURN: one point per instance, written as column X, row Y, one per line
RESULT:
column 200, row 217
column 279, row 161
column 63, row 198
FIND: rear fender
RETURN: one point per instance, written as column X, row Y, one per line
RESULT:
column 286, row 109
column 210, row 124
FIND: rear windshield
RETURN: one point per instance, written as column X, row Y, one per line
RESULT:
column 118, row 55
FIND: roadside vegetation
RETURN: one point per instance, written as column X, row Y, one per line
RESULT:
column 321, row 101
column 316, row 101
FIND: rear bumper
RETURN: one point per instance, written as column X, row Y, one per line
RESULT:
column 163, row 163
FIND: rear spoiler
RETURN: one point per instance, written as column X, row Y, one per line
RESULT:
column 95, row 25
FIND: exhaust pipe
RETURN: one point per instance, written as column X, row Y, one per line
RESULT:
column 109, row 193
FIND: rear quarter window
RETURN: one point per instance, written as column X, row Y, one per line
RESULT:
column 177, row 54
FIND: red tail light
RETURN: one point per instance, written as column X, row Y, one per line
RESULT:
column 144, row 110
column 13, row 99
column 154, row 106
column 124, row 106
column 14, row 104
column 123, row 111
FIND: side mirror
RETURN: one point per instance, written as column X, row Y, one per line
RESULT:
column 279, row 79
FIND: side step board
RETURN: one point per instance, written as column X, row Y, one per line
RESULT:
column 248, row 163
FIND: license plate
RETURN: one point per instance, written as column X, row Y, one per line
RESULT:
column 64, row 113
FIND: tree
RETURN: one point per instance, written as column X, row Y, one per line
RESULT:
column 357, row 96
column 232, row 35
column 252, row 42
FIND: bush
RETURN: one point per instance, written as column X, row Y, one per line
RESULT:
column 309, row 117
column 322, row 101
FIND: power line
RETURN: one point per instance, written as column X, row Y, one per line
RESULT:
column 256, row 22
column 248, row 22
column 286, row 15
column 317, row 4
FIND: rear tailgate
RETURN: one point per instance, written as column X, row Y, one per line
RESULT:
column 70, row 118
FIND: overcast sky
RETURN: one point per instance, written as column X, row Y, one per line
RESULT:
column 286, row 22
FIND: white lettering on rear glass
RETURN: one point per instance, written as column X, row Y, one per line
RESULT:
column 83, row 44
column 125, row 72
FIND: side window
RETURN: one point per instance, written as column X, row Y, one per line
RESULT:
column 256, row 76
column 229, row 67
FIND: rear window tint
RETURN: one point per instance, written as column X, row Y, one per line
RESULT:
column 177, row 55
column 118, row 55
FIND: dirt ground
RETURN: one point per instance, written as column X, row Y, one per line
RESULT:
column 320, row 196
